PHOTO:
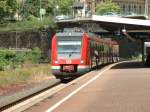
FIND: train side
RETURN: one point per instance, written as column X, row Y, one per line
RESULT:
column 74, row 53
column 103, row 51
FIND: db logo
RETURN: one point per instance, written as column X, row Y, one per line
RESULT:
column 68, row 61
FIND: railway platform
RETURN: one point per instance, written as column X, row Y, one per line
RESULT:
column 123, row 88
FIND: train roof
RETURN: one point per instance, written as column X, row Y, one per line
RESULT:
column 62, row 34
column 90, row 35
column 71, row 32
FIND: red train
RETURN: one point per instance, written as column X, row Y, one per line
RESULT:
column 74, row 53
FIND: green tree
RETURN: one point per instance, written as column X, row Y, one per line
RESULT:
column 8, row 9
column 65, row 6
column 33, row 7
column 52, row 7
column 107, row 6
column 55, row 7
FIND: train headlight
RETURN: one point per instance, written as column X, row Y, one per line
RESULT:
column 56, row 62
column 81, row 61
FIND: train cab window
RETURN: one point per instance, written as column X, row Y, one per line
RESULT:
column 69, row 48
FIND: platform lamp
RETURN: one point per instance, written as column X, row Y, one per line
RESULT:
column 124, row 31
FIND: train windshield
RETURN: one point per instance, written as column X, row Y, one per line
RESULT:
column 69, row 48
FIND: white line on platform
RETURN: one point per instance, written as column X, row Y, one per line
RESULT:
column 77, row 90
column 32, row 101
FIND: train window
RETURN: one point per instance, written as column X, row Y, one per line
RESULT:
column 102, row 47
column 110, row 49
column 99, row 47
column 69, row 49
column 105, row 48
column 95, row 45
column 92, row 44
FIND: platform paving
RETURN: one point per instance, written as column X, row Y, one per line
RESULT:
column 123, row 88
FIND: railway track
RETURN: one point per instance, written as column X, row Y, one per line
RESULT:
column 9, row 102
column 26, row 101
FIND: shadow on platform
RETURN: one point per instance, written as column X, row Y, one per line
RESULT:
column 130, row 65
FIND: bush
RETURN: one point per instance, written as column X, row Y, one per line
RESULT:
column 34, row 55
column 6, row 58
column 13, row 58
column 31, row 18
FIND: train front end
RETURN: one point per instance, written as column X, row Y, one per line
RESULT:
column 68, row 56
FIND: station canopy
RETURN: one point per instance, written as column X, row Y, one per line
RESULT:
column 136, row 27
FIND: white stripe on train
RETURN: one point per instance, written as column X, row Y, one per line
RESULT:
column 79, row 67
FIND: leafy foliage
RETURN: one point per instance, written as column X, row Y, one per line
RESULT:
column 52, row 7
column 65, row 6
column 34, row 55
column 33, row 7
column 8, row 9
column 107, row 6
column 29, row 12
column 13, row 58
column 31, row 23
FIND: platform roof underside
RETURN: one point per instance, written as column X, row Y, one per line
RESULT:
column 137, row 27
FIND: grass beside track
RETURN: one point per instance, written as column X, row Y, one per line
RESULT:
column 35, row 73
